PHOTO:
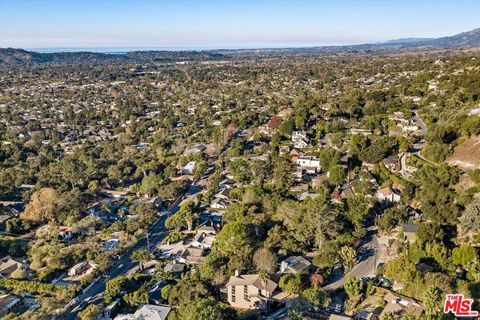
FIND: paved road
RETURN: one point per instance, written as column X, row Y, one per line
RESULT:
column 123, row 265
column 423, row 128
column 365, row 267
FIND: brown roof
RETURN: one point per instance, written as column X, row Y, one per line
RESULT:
column 399, row 304
column 386, row 191
column 253, row 280
column 8, row 266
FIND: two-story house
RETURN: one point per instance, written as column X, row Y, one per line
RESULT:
column 249, row 291
column 300, row 139
column 309, row 163
column 386, row 196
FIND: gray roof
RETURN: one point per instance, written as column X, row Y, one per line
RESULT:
column 147, row 312
column 409, row 228
column 296, row 263
column 174, row 267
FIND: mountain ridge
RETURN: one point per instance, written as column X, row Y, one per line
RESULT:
column 21, row 57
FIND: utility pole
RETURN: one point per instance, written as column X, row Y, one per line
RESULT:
column 148, row 241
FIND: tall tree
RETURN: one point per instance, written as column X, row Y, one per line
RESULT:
column 265, row 260
column 348, row 257
column 353, row 287
column 42, row 206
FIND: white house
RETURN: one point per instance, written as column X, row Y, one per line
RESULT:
column 81, row 267
column 300, row 139
column 218, row 203
column 295, row 264
column 474, row 112
column 387, row 196
column 147, row 312
column 308, row 163
column 409, row 127
column 203, row 240
column 189, row 168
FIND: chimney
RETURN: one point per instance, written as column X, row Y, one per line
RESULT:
column 237, row 273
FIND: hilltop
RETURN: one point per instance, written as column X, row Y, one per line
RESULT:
column 20, row 57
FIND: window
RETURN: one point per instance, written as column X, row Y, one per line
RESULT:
column 233, row 294
column 245, row 293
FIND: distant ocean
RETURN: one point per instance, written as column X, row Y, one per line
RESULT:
column 123, row 50
column 114, row 50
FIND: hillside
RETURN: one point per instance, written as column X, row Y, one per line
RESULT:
column 467, row 154
column 20, row 57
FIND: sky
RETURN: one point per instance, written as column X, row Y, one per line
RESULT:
column 204, row 24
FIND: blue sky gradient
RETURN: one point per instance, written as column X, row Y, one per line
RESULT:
column 227, row 24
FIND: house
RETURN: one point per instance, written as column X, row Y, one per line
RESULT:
column 9, row 304
column 391, row 163
column 299, row 187
column 194, row 149
column 110, row 244
column 294, row 154
column 226, row 183
column 170, row 251
column 295, row 265
column 146, row 312
column 208, row 229
column 81, row 267
column 9, row 265
column 203, row 240
column 212, row 217
column 400, row 306
column 148, row 267
column 188, row 169
column 346, row 191
column 223, row 193
column 409, row 232
column 409, row 127
column 298, row 174
column 387, row 196
column 299, row 136
column 111, row 309
column 475, row 111
column 192, row 256
column 309, row 163
column 249, row 291
column 174, row 267
column 99, row 209
column 300, row 139
column 413, row 213
column 356, row 131
column 3, row 220
column 397, row 116
column 65, row 233
column 304, row 195
column 219, row 203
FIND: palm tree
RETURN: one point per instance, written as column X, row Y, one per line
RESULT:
column 432, row 299
column 388, row 316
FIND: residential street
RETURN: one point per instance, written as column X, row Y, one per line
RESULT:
column 365, row 267
column 123, row 265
